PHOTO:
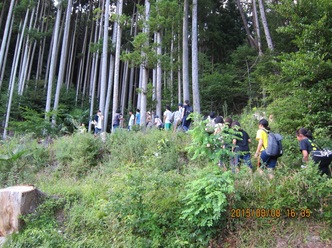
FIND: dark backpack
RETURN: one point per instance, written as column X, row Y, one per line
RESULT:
column 320, row 155
column 274, row 145
column 189, row 110
column 172, row 117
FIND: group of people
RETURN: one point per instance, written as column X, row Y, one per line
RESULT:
column 241, row 152
column 170, row 119
column 216, row 125
column 239, row 145
column 178, row 119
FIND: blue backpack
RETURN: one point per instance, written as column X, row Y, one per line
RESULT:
column 274, row 145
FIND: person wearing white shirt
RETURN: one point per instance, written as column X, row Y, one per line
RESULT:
column 167, row 118
column 98, row 121
column 131, row 120
column 178, row 117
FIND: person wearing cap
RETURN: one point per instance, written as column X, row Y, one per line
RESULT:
column 178, row 117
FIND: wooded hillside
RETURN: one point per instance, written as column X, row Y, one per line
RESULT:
column 61, row 61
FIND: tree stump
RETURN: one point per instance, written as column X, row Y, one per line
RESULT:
column 14, row 202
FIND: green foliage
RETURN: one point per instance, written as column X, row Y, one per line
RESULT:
column 41, row 228
column 142, row 53
column 222, row 31
column 76, row 155
column 309, row 24
column 208, row 147
column 205, row 201
column 303, row 189
column 139, row 189
column 21, row 158
column 76, row 118
column 233, row 82
column 300, row 80
column 34, row 122
column 307, row 95
column 145, row 205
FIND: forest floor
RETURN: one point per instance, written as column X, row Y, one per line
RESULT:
column 311, row 238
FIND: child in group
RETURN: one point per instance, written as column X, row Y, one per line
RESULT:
column 219, row 125
column 138, row 117
column 158, row 122
column 264, row 159
column 98, row 122
column 210, row 123
column 187, row 110
column 131, row 120
column 240, row 147
column 218, row 130
column 307, row 146
column 178, row 117
column 167, row 117
column 148, row 119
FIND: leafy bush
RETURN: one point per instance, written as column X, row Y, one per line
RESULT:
column 205, row 200
column 302, row 189
column 77, row 154
column 144, row 205
column 21, row 158
column 35, row 123
column 208, row 147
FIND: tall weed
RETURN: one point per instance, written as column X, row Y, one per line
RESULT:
column 205, row 202
column 77, row 154
column 21, row 157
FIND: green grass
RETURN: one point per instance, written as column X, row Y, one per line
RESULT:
column 144, row 190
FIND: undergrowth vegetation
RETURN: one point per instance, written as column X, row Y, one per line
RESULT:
column 159, row 189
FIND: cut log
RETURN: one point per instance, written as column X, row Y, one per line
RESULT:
column 14, row 202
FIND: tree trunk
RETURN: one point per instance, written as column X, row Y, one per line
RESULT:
column 63, row 59
column 179, row 73
column 145, row 70
column 117, row 62
column 256, row 24
column 13, row 74
column 185, row 56
column 6, row 32
column 6, row 56
column 104, row 58
column 265, row 25
column 194, row 54
column 93, row 77
column 86, row 67
column 53, row 62
column 250, row 39
column 124, row 91
column 14, row 202
column 111, row 73
column 133, row 32
column 159, row 75
column 25, row 59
